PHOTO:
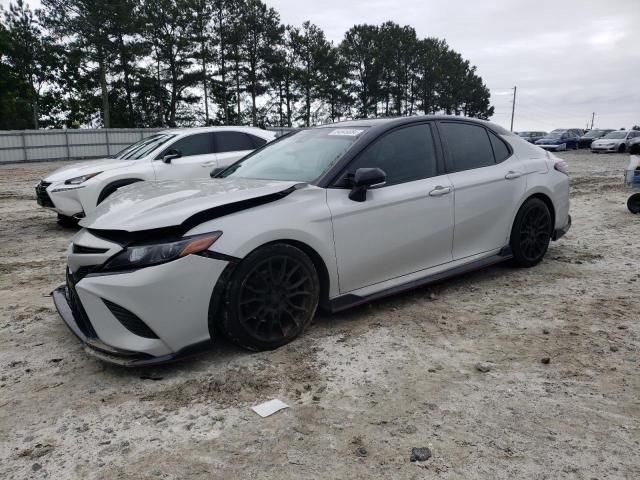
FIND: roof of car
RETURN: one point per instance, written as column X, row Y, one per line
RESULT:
column 217, row 129
column 391, row 121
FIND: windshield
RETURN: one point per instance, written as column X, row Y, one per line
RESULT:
column 555, row 135
column 302, row 156
column 616, row 135
column 525, row 134
column 144, row 147
column 594, row 133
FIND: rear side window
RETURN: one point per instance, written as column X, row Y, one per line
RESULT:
column 468, row 146
column 257, row 141
column 500, row 150
column 232, row 142
column 405, row 155
column 198, row 144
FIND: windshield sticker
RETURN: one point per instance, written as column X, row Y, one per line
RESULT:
column 346, row 132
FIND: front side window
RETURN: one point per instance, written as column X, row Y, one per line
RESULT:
column 197, row 144
column 405, row 155
column 301, row 156
column 232, row 142
column 468, row 146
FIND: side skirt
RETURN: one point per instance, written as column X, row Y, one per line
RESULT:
column 350, row 300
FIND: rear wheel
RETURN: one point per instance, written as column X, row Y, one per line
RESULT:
column 531, row 233
column 633, row 203
column 622, row 148
column 271, row 297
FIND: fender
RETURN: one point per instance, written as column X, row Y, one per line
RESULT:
column 113, row 186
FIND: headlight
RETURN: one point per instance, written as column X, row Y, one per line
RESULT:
column 145, row 255
column 81, row 179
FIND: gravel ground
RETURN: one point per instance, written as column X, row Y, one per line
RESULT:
column 365, row 386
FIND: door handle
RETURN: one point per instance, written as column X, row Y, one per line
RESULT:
column 511, row 175
column 439, row 191
column 209, row 164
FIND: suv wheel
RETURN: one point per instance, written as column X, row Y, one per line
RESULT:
column 622, row 148
column 531, row 233
column 271, row 297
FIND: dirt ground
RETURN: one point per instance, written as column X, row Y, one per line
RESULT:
column 364, row 387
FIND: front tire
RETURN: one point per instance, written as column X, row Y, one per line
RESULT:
column 67, row 222
column 622, row 148
column 271, row 298
column 531, row 233
column 633, row 203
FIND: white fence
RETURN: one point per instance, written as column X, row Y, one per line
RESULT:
column 40, row 145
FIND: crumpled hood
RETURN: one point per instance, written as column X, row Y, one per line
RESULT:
column 149, row 205
column 79, row 169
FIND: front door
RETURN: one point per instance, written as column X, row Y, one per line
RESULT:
column 197, row 158
column 402, row 227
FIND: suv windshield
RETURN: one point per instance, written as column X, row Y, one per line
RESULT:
column 142, row 148
column 616, row 135
column 302, row 156
column 594, row 133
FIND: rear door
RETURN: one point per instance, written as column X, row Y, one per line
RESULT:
column 402, row 227
column 231, row 146
column 488, row 182
column 196, row 160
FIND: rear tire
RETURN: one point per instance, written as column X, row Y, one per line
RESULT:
column 633, row 203
column 531, row 233
column 622, row 148
column 271, row 298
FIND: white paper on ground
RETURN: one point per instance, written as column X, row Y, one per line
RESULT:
column 269, row 408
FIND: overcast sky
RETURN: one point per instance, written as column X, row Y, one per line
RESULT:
column 569, row 58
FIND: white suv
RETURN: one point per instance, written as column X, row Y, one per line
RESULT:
column 333, row 216
column 189, row 153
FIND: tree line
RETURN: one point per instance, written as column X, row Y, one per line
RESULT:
column 166, row 63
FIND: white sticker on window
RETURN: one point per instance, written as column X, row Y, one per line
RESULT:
column 347, row 132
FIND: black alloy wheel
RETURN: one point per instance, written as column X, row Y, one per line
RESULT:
column 273, row 295
column 531, row 233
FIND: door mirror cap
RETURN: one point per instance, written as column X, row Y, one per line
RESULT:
column 365, row 178
column 171, row 155
column 214, row 173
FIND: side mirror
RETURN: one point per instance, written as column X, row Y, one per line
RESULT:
column 214, row 173
column 171, row 155
column 363, row 179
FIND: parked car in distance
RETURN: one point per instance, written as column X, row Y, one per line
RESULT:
column 532, row 137
column 559, row 141
column 591, row 135
column 634, row 145
column 163, row 269
column 576, row 131
column 74, row 191
column 616, row 141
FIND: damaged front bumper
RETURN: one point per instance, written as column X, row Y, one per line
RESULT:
column 95, row 347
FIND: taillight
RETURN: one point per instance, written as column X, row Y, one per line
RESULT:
column 562, row 167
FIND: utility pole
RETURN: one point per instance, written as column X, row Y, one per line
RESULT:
column 513, row 106
column 592, row 117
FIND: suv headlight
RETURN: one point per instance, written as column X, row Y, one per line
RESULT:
column 81, row 179
column 148, row 254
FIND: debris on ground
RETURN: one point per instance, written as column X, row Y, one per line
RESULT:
column 269, row 408
column 420, row 454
